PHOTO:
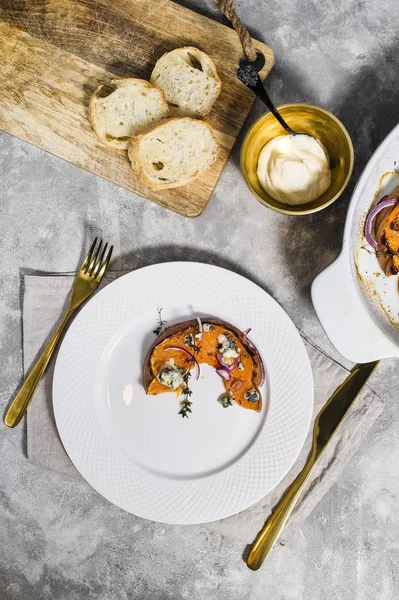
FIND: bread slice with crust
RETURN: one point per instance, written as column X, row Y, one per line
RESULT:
column 174, row 152
column 189, row 79
column 120, row 110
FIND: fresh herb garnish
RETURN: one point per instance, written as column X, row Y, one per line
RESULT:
column 196, row 349
column 185, row 403
column 378, row 253
column 369, row 251
column 161, row 323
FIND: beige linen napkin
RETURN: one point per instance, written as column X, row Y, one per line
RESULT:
column 45, row 298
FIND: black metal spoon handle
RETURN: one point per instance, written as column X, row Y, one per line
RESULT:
column 249, row 77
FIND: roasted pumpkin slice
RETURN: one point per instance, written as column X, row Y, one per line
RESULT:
column 221, row 344
column 392, row 235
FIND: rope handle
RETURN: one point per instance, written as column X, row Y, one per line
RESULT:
column 228, row 8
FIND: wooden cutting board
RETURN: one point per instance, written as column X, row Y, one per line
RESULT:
column 54, row 53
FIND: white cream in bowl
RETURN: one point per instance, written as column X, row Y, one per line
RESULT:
column 294, row 169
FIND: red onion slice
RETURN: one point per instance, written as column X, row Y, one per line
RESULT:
column 199, row 337
column 254, row 349
column 224, row 373
column 250, row 344
column 385, row 202
column 197, row 367
column 223, row 362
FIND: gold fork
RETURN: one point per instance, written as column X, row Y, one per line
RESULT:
column 87, row 281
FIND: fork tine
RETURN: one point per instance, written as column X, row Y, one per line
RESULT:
column 94, row 260
column 100, row 261
column 104, row 265
column 88, row 257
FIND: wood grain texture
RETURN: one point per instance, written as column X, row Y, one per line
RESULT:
column 56, row 52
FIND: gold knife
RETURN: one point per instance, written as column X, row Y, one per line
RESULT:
column 326, row 423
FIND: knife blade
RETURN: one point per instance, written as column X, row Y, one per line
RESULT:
column 338, row 404
column 326, row 423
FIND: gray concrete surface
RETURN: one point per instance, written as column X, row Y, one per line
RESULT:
column 59, row 539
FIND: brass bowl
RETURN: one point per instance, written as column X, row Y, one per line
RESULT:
column 305, row 118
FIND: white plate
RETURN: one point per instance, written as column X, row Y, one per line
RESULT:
column 136, row 450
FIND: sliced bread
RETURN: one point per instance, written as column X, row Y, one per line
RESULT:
column 173, row 152
column 189, row 79
column 117, row 112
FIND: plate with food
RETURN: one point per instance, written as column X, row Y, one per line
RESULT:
column 182, row 392
column 357, row 297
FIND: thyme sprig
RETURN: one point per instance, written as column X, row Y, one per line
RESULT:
column 185, row 403
column 378, row 253
column 196, row 348
column 161, row 323
column 186, row 393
